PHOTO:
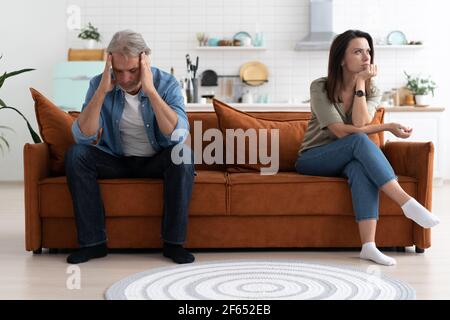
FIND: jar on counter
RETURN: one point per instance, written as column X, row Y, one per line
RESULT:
column 395, row 97
column 409, row 100
column 247, row 97
column 387, row 99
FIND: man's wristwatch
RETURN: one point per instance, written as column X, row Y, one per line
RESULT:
column 360, row 93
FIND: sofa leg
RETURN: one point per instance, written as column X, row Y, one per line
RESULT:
column 400, row 249
column 419, row 250
column 37, row 251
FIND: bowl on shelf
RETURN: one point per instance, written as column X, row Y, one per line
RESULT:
column 244, row 37
column 213, row 42
column 396, row 38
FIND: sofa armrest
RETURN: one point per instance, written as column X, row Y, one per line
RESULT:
column 415, row 159
column 36, row 167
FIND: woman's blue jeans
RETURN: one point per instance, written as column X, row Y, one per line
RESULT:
column 357, row 158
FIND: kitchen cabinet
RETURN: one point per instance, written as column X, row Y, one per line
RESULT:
column 71, row 82
column 427, row 126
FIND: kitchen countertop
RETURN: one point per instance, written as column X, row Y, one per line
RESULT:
column 414, row 109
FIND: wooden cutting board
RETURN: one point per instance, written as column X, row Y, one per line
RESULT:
column 86, row 55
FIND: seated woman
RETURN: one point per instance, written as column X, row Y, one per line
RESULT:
column 336, row 142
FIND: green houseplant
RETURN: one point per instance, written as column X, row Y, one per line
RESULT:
column 90, row 34
column 4, row 106
column 421, row 88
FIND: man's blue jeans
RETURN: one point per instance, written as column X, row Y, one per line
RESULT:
column 357, row 158
column 86, row 163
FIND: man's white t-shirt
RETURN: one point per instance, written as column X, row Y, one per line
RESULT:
column 132, row 130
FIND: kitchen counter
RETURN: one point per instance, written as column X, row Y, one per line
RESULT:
column 414, row 109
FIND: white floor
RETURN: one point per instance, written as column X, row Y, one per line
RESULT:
column 27, row 276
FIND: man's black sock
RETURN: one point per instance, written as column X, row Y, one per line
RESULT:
column 87, row 253
column 177, row 253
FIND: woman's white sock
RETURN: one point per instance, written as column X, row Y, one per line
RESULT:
column 419, row 214
column 370, row 251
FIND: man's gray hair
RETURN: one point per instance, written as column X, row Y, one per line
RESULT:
column 128, row 43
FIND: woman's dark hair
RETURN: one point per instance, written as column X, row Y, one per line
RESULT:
column 337, row 53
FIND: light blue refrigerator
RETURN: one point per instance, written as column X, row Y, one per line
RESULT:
column 71, row 82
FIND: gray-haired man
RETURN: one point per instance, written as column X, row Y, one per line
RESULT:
column 132, row 110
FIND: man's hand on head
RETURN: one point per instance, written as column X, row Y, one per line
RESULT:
column 146, row 74
column 107, row 83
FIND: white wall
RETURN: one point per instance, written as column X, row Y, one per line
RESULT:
column 170, row 26
column 32, row 35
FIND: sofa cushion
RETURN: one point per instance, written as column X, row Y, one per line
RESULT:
column 54, row 128
column 136, row 197
column 290, row 136
column 289, row 193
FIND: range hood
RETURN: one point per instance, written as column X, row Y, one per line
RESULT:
column 321, row 27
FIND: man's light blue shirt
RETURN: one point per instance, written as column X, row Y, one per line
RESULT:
column 169, row 90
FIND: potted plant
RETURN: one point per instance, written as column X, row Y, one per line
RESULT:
column 91, row 35
column 4, row 106
column 420, row 88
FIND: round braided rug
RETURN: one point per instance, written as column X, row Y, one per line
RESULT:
column 259, row 279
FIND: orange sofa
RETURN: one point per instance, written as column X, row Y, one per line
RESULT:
column 231, row 208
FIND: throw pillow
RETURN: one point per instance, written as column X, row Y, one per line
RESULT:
column 290, row 137
column 55, row 129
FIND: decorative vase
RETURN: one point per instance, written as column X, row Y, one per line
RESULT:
column 422, row 100
column 89, row 44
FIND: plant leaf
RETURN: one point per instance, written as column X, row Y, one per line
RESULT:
column 7, row 128
column 2, row 79
column 34, row 135
column 13, row 73
column 3, row 141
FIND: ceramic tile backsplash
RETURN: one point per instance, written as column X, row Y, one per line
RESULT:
column 170, row 26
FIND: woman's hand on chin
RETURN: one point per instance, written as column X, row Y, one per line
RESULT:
column 369, row 71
